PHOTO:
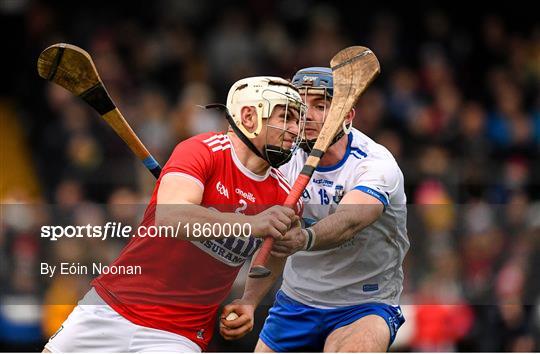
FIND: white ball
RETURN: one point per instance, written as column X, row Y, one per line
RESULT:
column 231, row 317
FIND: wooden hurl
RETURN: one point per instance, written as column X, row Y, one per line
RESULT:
column 72, row 68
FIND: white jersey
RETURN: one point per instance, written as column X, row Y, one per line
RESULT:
column 368, row 267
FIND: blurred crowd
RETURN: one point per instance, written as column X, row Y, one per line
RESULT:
column 457, row 103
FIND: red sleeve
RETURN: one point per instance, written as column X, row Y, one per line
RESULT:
column 192, row 158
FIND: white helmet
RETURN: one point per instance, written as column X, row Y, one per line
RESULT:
column 263, row 93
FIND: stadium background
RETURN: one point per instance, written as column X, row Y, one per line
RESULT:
column 457, row 103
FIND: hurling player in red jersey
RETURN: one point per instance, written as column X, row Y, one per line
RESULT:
column 217, row 179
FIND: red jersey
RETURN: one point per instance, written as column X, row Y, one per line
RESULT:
column 183, row 282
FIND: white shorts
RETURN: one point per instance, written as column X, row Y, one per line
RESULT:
column 94, row 326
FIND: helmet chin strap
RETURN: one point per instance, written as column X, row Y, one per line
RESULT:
column 308, row 145
column 269, row 154
column 274, row 155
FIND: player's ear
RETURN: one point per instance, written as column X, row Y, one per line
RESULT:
column 249, row 118
column 350, row 116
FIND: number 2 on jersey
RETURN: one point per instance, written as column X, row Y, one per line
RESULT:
column 242, row 207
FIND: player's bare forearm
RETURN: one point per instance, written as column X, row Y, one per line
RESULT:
column 179, row 198
column 194, row 217
column 238, row 317
column 356, row 211
column 178, row 201
column 256, row 288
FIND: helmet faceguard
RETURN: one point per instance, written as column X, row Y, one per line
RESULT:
column 265, row 93
column 317, row 81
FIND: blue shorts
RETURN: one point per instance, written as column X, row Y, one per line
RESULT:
column 292, row 326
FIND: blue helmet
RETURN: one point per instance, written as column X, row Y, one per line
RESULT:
column 318, row 79
column 315, row 78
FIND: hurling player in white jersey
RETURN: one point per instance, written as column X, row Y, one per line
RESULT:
column 343, row 275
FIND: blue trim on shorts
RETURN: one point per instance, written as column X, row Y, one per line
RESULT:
column 293, row 326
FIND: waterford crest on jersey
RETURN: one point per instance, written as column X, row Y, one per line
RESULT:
column 183, row 282
column 367, row 268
